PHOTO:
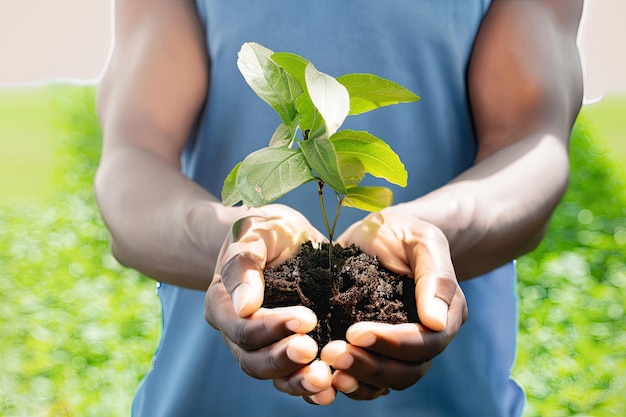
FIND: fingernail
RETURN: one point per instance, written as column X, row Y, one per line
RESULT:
column 293, row 325
column 383, row 392
column 309, row 387
column 316, row 400
column 241, row 299
column 301, row 350
column 353, row 389
column 313, row 400
column 343, row 362
column 298, row 356
column 317, row 378
column 361, row 337
column 439, row 312
column 341, row 380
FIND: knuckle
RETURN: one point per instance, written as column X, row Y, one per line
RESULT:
column 249, row 370
column 239, row 354
column 376, row 371
column 241, row 257
column 241, row 339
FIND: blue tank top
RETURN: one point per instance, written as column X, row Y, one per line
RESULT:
column 422, row 44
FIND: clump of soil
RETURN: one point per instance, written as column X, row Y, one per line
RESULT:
column 359, row 289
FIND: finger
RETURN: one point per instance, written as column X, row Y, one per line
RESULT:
column 255, row 242
column 306, row 381
column 281, row 231
column 408, row 342
column 435, row 293
column 368, row 392
column 376, row 237
column 243, row 257
column 242, row 279
column 373, row 369
column 262, row 328
column 435, row 280
column 278, row 360
column 344, row 382
column 325, row 397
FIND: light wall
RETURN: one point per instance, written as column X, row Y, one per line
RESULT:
column 52, row 39
column 71, row 39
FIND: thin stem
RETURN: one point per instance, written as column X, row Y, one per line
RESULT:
column 320, row 193
column 339, row 202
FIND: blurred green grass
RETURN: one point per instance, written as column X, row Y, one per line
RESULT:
column 26, row 145
column 78, row 330
column 572, row 288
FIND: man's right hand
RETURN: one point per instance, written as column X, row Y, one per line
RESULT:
column 267, row 343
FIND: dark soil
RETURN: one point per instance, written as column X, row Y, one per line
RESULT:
column 359, row 290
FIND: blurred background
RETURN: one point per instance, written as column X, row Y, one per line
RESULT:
column 78, row 330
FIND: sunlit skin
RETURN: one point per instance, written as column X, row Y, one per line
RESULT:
column 525, row 90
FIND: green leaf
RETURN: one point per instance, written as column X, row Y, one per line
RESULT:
column 351, row 169
column 369, row 92
column 368, row 198
column 268, row 80
column 310, row 118
column 230, row 194
column 269, row 173
column 321, row 156
column 330, row 98
column 293, row 64
column 284, row 135
column 376, row 156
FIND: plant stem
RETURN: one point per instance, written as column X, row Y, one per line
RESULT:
column 339, row 202
column 329, row 231
column 320, row 193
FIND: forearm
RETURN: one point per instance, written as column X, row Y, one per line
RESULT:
column 525, row 90
column 498, row 209
column 161, row 223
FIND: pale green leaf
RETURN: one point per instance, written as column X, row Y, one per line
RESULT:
column 368, row 198
column 284, row 135
column 329, row 97
column 230, row 194
column 270, row 173
column 321, row 156
column 376, row 156
column 268, row 80
column 369, row 92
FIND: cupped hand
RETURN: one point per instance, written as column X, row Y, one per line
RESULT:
column 268, row 343
column 381, row 356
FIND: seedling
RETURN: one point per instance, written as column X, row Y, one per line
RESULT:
column 315, row 104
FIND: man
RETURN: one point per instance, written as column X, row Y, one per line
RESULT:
column 486, row 151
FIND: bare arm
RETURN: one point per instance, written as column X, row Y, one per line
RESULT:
column 525, row 87
column 170, row 228
column 161, row 223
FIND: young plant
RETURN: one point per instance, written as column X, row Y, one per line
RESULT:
column 315, row 104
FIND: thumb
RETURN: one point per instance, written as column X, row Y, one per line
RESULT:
column 243, row 280
column 434, row 293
